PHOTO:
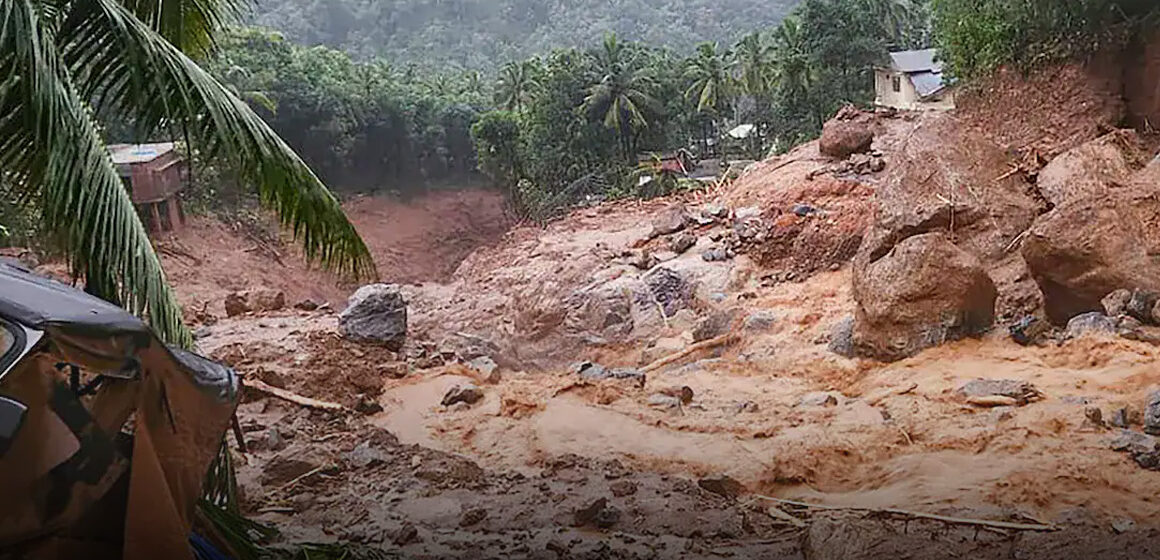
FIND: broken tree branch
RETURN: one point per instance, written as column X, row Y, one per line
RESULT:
column 259, row 385
column 1042, row 527
column 703, row 345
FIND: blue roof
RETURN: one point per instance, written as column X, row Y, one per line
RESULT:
column 915, row 61
column 927, row 83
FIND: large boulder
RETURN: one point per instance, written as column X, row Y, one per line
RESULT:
column 1096, row 244
column 922, row 293
column 1093, row 168
column 849, row 132
column 376, row 313
column 946, row 177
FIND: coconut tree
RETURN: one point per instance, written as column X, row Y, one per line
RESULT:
column 710, row 85
column 516, row 84
column 753, row 63
column 622, row 98
column 63, row 62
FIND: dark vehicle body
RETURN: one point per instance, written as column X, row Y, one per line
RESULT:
column 106, row 433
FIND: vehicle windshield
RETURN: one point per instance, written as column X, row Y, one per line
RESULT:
column 7, row 341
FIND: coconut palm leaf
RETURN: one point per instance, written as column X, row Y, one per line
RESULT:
column 51, row 143
column 57, row 66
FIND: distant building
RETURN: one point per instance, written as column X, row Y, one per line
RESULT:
column 914, row 81
column 154, row 174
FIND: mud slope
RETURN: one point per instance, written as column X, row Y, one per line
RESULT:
column 742, row 297
column 416, row 240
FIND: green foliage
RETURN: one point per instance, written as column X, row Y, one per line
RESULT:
column 483, row 34
column 361, row 125
column 497, row 144
column 977, row 36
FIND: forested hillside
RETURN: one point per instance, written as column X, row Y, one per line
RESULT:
column 483, row 34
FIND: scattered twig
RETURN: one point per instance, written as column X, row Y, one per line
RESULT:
column 906, row 435
column 1018, row 239
column 874, row 399
column 259, row 385
column 992, row 401
column 302, row 477
column 711, row 343
column 1012, row 171
column 238, row 435
column 919, row 515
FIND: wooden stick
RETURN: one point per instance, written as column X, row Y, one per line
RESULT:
column 295, row 398
column 919, row 515
column 703, row 345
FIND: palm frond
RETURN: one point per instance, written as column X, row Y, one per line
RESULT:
column 51, row 147
column 189, row 24
column 131, row 69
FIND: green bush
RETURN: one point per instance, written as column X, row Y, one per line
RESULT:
column 977, row 36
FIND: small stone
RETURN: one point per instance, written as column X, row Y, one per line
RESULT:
column 484, row 365
column 367, row 405
column 816, row 400
column 842, row 338
column 598, row 513
column 364, row 456
column 715, row 254
column 759, row 320
column 1028, row 330
column 683, row 394
column 1116, row 303
column 716, row 324
column 468, row 393
column 288, row 466
column 306, row 305
column 1125, row 417
column 595, row 372
column 472, row 517
column 747, row 406
column 1121, row 526
column 407, row 534
column 1094, row 322
column 663, row 401
column 1141, row 305
column 395, row 370
column 1093, row 417
column 722, row 486
column 714, row 210
column 622, row 488
column 803, row 210
column 1128, row 327
column 236, row 304
column 202, row 332
column 671, row 220
column 682, row 242
column 1152, row 414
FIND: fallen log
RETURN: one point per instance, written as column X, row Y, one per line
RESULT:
column 704, row 345
column 1007, row 525
column 259, row 385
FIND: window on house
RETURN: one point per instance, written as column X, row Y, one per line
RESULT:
column 896, row 83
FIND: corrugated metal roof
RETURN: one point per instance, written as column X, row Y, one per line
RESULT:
column 915, row 61
column 139, row 153
column 927, row 83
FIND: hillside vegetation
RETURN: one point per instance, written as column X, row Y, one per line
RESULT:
column 482, row 34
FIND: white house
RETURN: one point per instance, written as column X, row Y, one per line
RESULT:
column 913, row 81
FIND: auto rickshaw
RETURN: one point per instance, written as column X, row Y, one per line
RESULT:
column 106, row 433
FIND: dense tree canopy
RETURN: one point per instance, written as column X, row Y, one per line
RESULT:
column 571, row 122
column 484, row 34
